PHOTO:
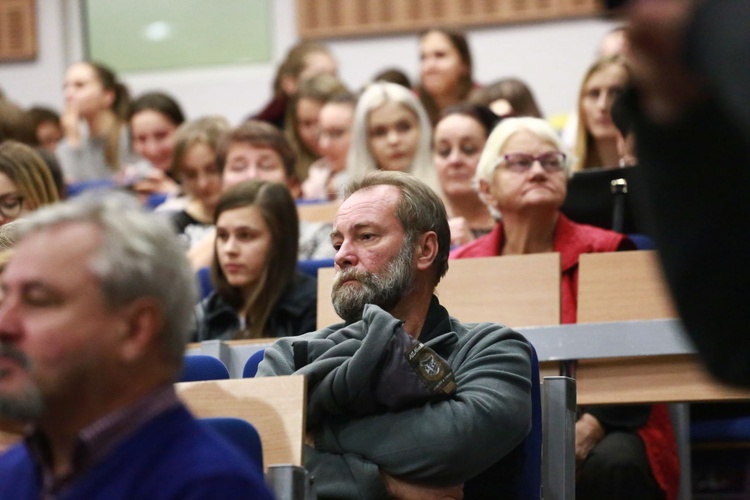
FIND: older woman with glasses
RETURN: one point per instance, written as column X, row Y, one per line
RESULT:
column 621, row 452
column 26, row 182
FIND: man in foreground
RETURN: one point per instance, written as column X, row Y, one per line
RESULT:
column 97, row 302
column 405, row 401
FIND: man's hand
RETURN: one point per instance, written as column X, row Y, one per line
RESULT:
column 404, row 490
column 588, row 434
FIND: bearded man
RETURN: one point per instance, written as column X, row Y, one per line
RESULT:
column 405, row 401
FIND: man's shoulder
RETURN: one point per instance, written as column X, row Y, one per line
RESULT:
column 176, row 456
column 17, row 473
column 485, row 334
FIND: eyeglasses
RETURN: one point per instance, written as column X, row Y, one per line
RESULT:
column 11, row 205
column 521, row 163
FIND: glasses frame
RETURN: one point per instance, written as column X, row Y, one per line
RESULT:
column 506, row 159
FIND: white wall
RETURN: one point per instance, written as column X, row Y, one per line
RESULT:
column 551, row 57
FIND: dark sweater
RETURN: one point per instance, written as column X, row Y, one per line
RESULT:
column 172, row 457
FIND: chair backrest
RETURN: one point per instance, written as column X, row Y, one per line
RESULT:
column 274, row 405
column 531, row 477
column 239, row 433
column 251, row 365
column 622, row 286
column 317, row 212
column 310, row 267
column 202, row 367
column 518, row 474
column 514, row 290
column 205, row 285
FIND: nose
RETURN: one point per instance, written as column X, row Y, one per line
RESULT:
column 394, row 136
column 345, row 256
column 252, row 173
column 454, row 157
column 9, row 319
column 202, row 182
column 323, row 143
column 150, row 147
column 537, row 170
column 605, row 99
column 228, row 246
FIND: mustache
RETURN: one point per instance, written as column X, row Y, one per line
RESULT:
column 349, row 275
column 8, row 351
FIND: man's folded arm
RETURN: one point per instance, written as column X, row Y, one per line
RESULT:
column 452, row 440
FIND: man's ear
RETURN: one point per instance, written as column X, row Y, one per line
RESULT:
column 426, row 251
column 143, row 322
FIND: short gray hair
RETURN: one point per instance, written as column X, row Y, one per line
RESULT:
column 139, row 256
column 504, row 131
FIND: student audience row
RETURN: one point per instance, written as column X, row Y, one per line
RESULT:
column 499, row 167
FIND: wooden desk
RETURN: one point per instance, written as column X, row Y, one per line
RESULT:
column 650, row 379
column 630, row 362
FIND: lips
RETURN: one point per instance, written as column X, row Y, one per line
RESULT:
column 232, row 268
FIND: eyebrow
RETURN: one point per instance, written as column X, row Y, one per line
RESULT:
column 356, row 227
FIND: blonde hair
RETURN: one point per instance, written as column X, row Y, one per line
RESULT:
column 360, row 160
column 584, row 146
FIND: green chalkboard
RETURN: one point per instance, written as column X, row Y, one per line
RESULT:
column 147, row 35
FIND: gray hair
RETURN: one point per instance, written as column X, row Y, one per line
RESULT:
column 504, row 131
column 9, row 234
column 139, row 256
column 360, row 160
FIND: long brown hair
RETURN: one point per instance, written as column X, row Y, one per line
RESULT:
column 279, row 212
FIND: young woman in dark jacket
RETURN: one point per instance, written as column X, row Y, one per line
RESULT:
column 258, row 290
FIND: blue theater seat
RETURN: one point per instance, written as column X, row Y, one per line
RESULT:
column 199, row 367
column 240, row 434
column 251, row 365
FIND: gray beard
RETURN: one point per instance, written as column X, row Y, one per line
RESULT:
column 27, row 403
column 385, row 290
